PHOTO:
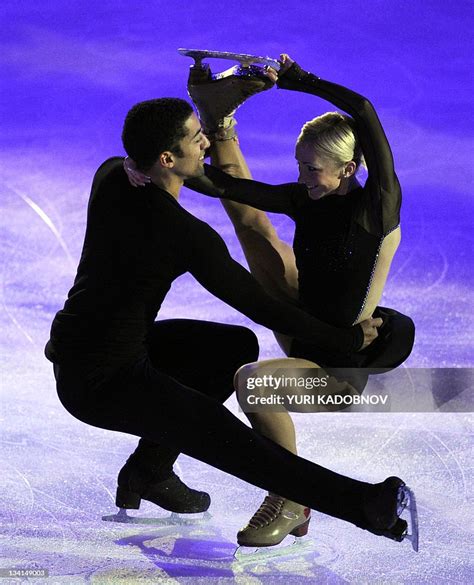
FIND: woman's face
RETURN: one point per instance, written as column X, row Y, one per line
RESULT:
column 321, row 175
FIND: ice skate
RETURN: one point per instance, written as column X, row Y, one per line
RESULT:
column 384, row 513
column 136, row 484
column 273, row 521
column 148, row 475
column 170, row 494
column 218, row 96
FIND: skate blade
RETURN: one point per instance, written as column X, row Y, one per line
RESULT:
column 199, row 54
column 409, row 501
column 172, row 520
column 249, row 554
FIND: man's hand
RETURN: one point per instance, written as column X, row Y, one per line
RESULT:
column 271, row 73
column 369, row 327
column 136, row 177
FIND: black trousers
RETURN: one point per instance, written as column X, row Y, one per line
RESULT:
column 174, row 397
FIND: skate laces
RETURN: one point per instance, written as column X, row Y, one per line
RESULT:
column 269, row 511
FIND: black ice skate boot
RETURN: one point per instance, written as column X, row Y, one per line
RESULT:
column 383, row 511
column 148, row 475
column 216, row 97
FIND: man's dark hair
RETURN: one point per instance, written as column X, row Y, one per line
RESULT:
column 154, row 126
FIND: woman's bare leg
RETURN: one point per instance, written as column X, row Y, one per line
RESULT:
column 277, row 426
column 271, row 260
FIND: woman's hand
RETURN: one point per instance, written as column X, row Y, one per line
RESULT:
column 369, row 327
column 136, row 177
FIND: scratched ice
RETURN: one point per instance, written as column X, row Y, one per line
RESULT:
column 68, row 83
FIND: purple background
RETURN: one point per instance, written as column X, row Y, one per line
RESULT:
column 69, row 74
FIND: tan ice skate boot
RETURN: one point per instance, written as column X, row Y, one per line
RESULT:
column 218, row 96
column 273, row 521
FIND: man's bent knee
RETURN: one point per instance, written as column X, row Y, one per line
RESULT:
column 248, row 344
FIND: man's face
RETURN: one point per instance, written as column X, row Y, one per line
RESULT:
column 193, row 147
column 319, row 174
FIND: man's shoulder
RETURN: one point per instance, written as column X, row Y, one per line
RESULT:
column 110, row 168
column 110, row 180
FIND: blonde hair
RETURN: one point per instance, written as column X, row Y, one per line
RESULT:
column 333, row 136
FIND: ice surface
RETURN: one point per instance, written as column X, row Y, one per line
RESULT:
column 70, row 73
